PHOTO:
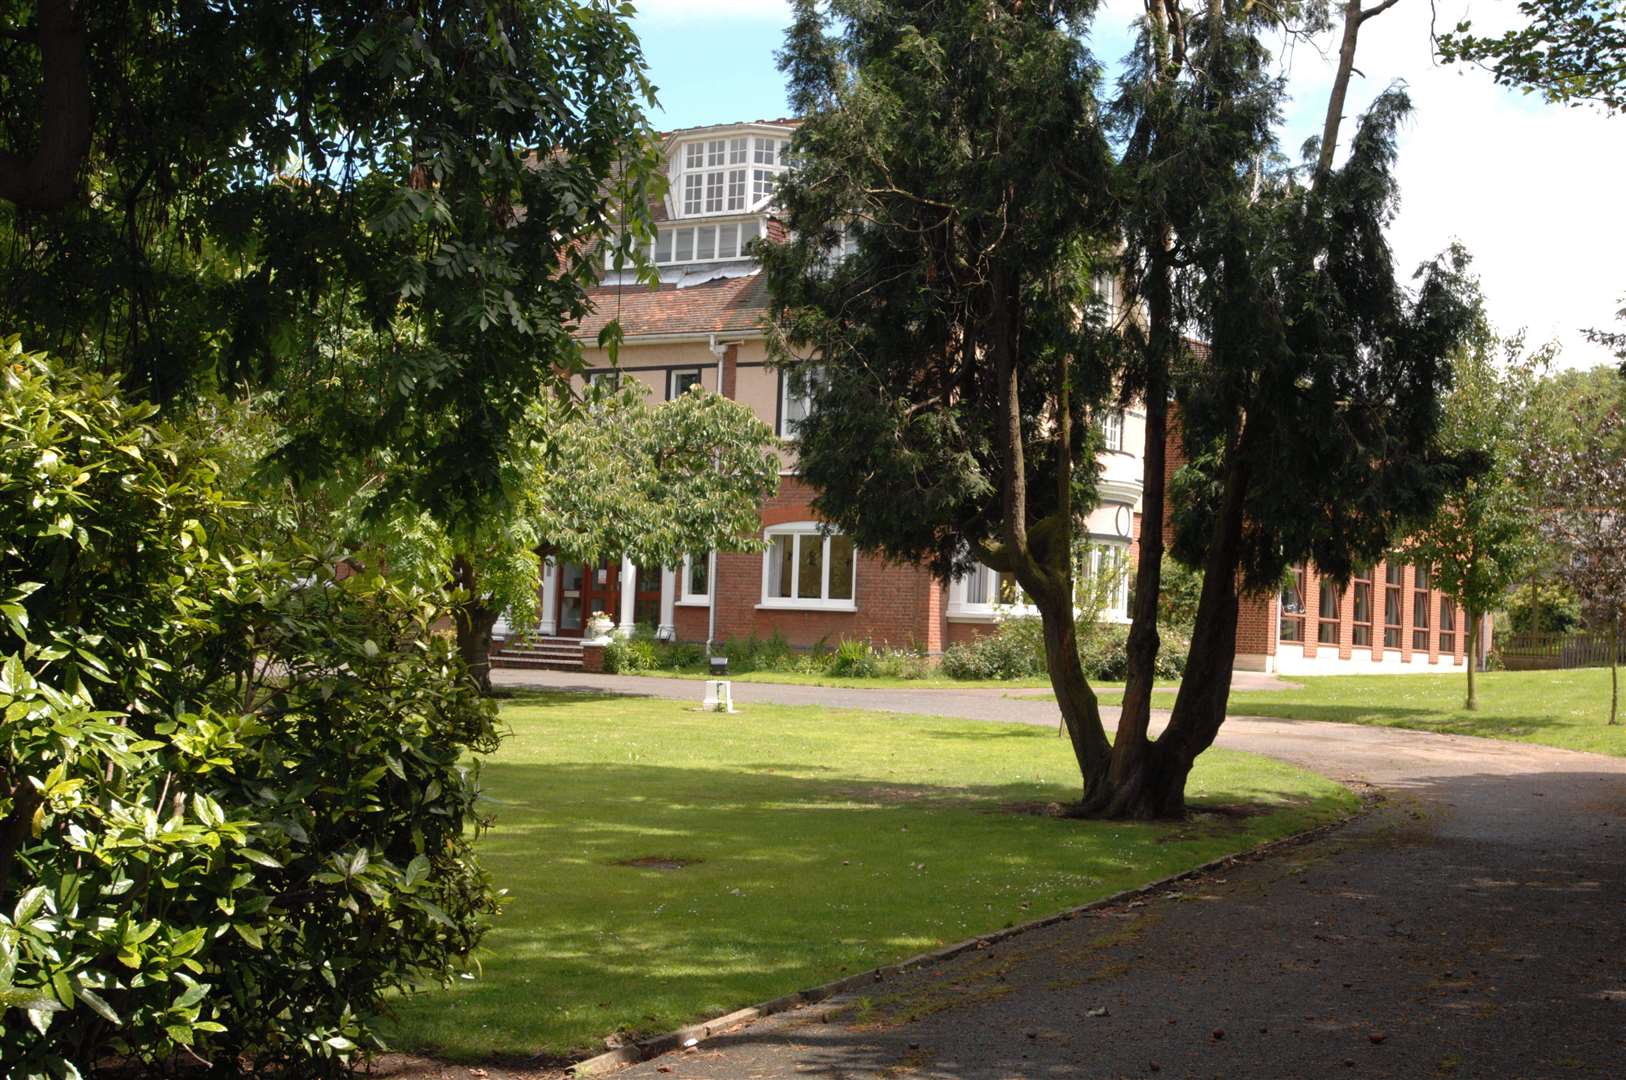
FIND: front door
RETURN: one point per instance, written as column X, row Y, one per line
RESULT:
column 585, row 589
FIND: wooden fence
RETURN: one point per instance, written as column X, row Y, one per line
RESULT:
column 1533, row 652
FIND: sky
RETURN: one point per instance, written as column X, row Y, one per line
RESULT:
column 1522, row 184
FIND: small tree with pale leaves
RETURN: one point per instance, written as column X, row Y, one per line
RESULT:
column 1585, row 491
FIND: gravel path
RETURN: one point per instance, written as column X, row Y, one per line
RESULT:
column 1473, row 926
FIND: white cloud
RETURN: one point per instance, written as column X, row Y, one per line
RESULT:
column 1522, row 184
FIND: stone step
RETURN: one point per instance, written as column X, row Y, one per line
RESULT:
column 541, row 663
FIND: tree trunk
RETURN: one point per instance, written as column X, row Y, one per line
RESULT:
column 49, row 179
column 1156, row 787
column 1472, row 703
column 14, row 832
column 1353, row 18
column 474, row 620
column 1129, row 744
column 1042, row 563
column 1614, row 671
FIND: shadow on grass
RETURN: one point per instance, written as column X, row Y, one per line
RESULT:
column 789, row 880
column 1459, row 722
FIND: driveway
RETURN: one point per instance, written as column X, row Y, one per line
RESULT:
column 1474, row 925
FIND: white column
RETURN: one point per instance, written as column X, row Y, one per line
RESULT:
column 550, row 599
column 629, row 594
column 668, row 627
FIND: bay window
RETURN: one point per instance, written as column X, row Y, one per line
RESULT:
column 725, row 176
column 807, row 567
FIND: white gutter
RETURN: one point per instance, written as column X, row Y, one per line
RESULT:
column 677, row 339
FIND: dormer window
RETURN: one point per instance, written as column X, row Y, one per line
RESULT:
column 729, row 176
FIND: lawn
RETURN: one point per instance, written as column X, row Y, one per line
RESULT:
column 667, row 864
column 855, row 682
column 1567, row 709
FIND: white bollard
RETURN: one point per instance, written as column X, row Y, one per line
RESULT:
column 719, row 696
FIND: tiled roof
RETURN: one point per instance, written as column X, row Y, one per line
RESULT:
column 783, row 121
column 722, row 306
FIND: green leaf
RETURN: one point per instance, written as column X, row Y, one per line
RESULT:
column 99, row 1007
column 249, row 934
column 256, row 856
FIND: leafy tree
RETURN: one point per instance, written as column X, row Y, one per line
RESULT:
column 237, row 804
column 1570, row 51
column 1484, row 536
column 1583, row 491
column 1309, row 420
column 956, row 145
column 390, row 214
column 620, row 477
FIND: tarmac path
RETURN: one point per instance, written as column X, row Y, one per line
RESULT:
column 1472, row 925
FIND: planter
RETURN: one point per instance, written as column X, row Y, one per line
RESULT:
column 600, row 626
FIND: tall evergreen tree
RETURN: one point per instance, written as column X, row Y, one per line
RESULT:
column 1309, row 417
column 951, row 187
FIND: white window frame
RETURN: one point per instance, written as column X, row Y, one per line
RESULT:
column 1117, row 608
column 685, row 598
column 728, row 241
column 672, row 392
column 730, row 174
column 805, row 532
column 787, row 428
column 1112, row 430
column 962, row 609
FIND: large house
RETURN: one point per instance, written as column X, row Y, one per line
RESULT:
column 704, row 325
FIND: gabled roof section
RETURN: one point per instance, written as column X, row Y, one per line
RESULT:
column 724, row 305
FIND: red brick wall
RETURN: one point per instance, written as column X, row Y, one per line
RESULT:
column 897, row 605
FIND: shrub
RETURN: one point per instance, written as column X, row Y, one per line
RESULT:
column 1016, row 651
column 237, row 804
column 758, row 654
column 854, row 659
column 625, row 655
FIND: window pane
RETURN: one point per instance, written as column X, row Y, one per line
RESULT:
column 693, row 155
column 728, row 241
column 809, row 566
column 841, row 568
column 736, row 150
column 976, row 585
column 780, row 565
column 663, row 246
column 705, row 242
column 1423, row 578
column 683, row 246
column 699, row 567
column 714, row 192
column 1363, row 602
column 1293, row 594
column 749, row 231
column 736, row 189
column 714, row 151
column 1329, row 599
column 764, row 151
column 691, row 193
column 682, row 380
column 1394, row 573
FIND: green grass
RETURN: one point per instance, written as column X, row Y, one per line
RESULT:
column 1567, row 709
column 853, row 682
column 821, row 842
